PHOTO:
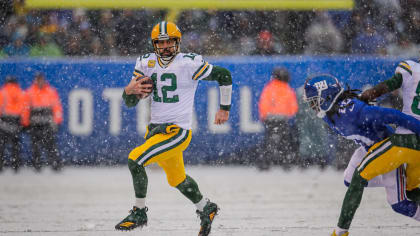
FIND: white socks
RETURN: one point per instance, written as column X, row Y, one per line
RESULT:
column 201, row 204
column 339, row 231
column 140, row 203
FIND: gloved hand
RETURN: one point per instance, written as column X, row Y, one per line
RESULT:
column 340, row 232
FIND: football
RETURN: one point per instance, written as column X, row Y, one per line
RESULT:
column 148, row 80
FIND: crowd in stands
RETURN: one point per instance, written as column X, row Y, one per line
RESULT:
column 382, row 27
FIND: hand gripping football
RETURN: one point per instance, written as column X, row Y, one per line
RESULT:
column 146, row 80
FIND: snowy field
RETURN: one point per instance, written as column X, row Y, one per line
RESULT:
column 90, row 201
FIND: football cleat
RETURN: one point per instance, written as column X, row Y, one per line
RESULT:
column 207, row 217
column 343, row 234
column 136, row 218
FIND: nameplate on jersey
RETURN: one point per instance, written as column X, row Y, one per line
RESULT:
column 151, row 63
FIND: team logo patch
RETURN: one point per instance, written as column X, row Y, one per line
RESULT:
column 151, row 63
column 321, row 85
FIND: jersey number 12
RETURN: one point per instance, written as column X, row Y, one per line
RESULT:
column 165, row 89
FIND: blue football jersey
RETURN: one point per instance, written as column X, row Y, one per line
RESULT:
column 350, row 123
column 366, row 124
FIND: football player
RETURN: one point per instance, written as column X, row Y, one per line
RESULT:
column 175, row 77
column 368, row 126
column 407, row 78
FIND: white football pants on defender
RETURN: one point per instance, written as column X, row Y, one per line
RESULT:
column 394, row 181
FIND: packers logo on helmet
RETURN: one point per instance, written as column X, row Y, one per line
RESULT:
column 164, row 31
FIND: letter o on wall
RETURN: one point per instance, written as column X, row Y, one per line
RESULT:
column 80, row 112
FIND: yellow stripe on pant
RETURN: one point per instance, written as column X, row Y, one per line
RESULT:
column 385, row 156
column 165, row 150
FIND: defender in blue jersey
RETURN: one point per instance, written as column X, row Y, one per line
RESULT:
column 368, row 126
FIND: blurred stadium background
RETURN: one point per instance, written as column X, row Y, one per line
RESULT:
column 87, row 50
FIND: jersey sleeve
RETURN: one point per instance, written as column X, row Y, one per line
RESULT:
column 200, row 69
column 132, row 100
column 402, row 71
column 395, row 82
column 404, row 68
column 382, row 115
column 139, row 68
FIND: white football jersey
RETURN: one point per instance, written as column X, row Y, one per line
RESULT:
column 174, row 86
column 410, row 86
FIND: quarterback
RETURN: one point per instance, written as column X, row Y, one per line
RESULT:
column 368, row 126
column 170, row 78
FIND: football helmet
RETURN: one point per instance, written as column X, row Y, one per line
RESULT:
column 321, row 92
column 166, row 30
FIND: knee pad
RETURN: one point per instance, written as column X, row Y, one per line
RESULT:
column 405, row 207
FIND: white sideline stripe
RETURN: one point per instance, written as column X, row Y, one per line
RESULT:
column 373, row 154
column 163, row 147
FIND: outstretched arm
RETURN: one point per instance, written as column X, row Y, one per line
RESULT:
column 224, row 78
column 383, row 115
column 382, row 88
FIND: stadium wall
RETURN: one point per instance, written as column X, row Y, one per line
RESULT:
column 98, row 128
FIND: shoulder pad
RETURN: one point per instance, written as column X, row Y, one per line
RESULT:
column 147, row 56
column 147, row 60
column 192, row 56
column 404, row 67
